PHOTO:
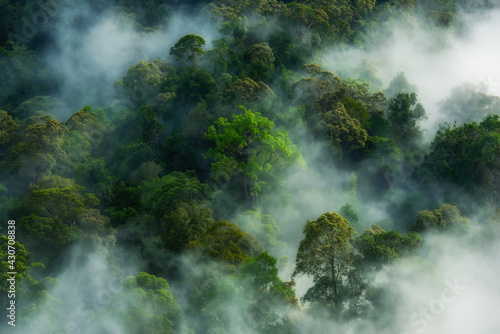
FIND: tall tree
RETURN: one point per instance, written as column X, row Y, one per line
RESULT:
column 404, row 112
column 327, row 256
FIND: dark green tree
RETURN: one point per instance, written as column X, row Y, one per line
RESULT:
column 188, row 48
column 404, row 112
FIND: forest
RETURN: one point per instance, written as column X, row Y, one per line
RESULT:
column 249, row 167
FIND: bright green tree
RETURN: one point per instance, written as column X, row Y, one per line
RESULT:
column 248, row 146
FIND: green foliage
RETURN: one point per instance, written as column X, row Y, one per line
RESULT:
column 247, row 90
column 128, row 158
column 270, row 296
column 195, row 85
column 399, row 84
column 159, row 196
column 188, row 48
column 262, row 226
column 42, row 147
column 467, row 156
column 260, row 60
column 23, row 75
column 327, row 256
column 446, row 217
column 227, row 243
column 11, row 262
column 160, row 170
column 404, row 112
column 379, row 247
column 143, row 80
column 249, row 146
column 151, row 129
column 149, row 305
column 343, row 131
column 184, row 224
column 350, row 214
column 48, row 104
column 8, row 133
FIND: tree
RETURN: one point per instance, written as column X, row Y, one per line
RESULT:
column 445, row 218
column 49, row 104
column 467, row 103
column 248, row 146
column 11, row 262
column 327, row 256
column 8, row 133
column 148, row 305
column 467, row 156
column 226, row 242
column 22, row 74
column 247, row 90
column 379, row 247
column 195, row 85
column 88, row 124
column 343, row 131
column 188, row 48
column 404, row 112
column 399, row 84
column 150, row 128
column 271, row 298
column 185, row 223
column 355, row 87
column 263, row 226
column 303, row 16
column 143, row 81
column 260, row 60
column 159, row 196
column 43, row 145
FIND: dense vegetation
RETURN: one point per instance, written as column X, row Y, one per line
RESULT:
column 184, row 172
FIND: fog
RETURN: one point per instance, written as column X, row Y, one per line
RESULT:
column 90, row 58
column 435, row 61
column 452, row 287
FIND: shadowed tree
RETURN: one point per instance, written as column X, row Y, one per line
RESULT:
column 188, row 48
column 260, row 60
column 403, row 113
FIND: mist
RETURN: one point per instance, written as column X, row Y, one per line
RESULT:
column 159, row 212
column 89, row 58
column 434, row 61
